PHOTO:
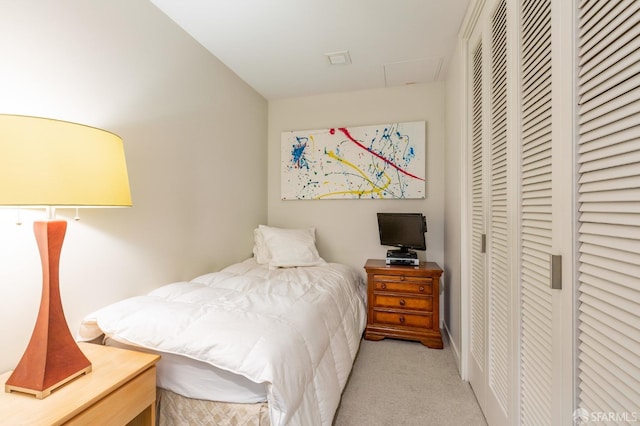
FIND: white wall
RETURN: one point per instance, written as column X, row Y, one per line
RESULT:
column 347, row 230
column 455, row 107
column 194, row 137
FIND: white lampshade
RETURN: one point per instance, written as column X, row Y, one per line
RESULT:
column 46, row 162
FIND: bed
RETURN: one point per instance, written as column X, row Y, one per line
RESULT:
column 269, row 340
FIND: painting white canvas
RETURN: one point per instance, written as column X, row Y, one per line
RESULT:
column 378, row 161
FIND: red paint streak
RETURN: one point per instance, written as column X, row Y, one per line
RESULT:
column 352, row 139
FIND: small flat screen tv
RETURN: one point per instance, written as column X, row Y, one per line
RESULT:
column 403, row 230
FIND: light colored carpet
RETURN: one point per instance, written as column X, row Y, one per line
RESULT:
column 400, row 383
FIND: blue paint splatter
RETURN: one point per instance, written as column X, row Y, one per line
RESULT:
column 298, row 153
column 410, row 155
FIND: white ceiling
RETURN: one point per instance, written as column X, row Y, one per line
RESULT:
column 279, row 47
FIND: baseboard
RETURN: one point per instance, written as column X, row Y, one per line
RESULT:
column 454, row 349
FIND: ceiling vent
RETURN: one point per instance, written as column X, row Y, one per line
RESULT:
column 339, row 58
column 424, row 70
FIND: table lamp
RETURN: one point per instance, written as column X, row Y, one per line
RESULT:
column 47, row 163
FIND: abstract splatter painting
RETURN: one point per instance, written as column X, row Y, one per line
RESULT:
column 378, row 161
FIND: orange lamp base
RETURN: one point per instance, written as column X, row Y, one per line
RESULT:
column 53, row 357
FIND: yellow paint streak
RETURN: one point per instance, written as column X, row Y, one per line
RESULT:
column 375, row 189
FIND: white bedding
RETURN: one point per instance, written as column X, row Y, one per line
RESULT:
column 198, row 380
column 295, row 329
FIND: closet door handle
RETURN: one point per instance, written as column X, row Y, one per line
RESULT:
column 555, row 261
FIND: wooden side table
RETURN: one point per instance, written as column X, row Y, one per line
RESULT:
column 403, row 302
column 120, row 390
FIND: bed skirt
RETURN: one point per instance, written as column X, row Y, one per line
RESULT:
column 174, row 410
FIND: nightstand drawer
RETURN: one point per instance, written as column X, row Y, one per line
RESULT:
column 123, row 404
column 402, row 302
column 407, row 285
column 402, row 319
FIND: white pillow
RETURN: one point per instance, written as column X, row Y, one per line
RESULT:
column 290, row 247
column 260, row 250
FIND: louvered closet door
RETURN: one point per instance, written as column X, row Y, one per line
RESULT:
column 491, row 316
column 609, row 209
column 500, row 317
column 536, row 296
column 478, row 302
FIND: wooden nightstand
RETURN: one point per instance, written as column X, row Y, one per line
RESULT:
column 120, row 390
column 403, row 302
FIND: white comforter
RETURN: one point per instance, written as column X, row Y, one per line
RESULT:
column 295, row 329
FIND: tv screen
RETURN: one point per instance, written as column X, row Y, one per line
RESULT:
column 404, row 230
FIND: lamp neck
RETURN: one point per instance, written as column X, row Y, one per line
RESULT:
column 51, row 212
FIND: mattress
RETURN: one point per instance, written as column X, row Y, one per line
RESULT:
column 199, row 380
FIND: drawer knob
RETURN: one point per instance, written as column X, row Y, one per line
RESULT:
column 402, row 302
column 384, row 286
column 401, row 319
column 421, row 288
column 402, row 278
